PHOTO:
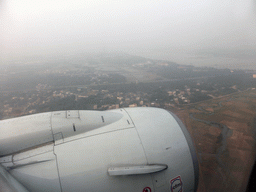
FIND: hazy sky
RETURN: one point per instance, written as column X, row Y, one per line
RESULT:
column 198, row 32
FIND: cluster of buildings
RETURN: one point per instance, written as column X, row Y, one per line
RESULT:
column 30, row 102
column 44, row 96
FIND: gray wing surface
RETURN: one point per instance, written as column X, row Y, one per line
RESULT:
column 9, row 183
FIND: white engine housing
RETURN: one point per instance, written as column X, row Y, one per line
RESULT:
column 131, row 149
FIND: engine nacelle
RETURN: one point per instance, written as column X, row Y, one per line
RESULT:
column 131, row 149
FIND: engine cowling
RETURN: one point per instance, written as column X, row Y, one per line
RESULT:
column 131, row 149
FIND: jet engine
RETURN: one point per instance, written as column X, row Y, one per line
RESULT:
column 130, row 149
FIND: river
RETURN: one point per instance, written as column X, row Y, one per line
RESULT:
column 222, row 138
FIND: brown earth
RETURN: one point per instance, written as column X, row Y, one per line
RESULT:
column 231, row 170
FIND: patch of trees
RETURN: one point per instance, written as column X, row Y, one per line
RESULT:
column 160, row 96
column 70, row 103
column 198, row 96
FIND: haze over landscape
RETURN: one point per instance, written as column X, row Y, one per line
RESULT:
column 193, row 58
column 201, row 33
